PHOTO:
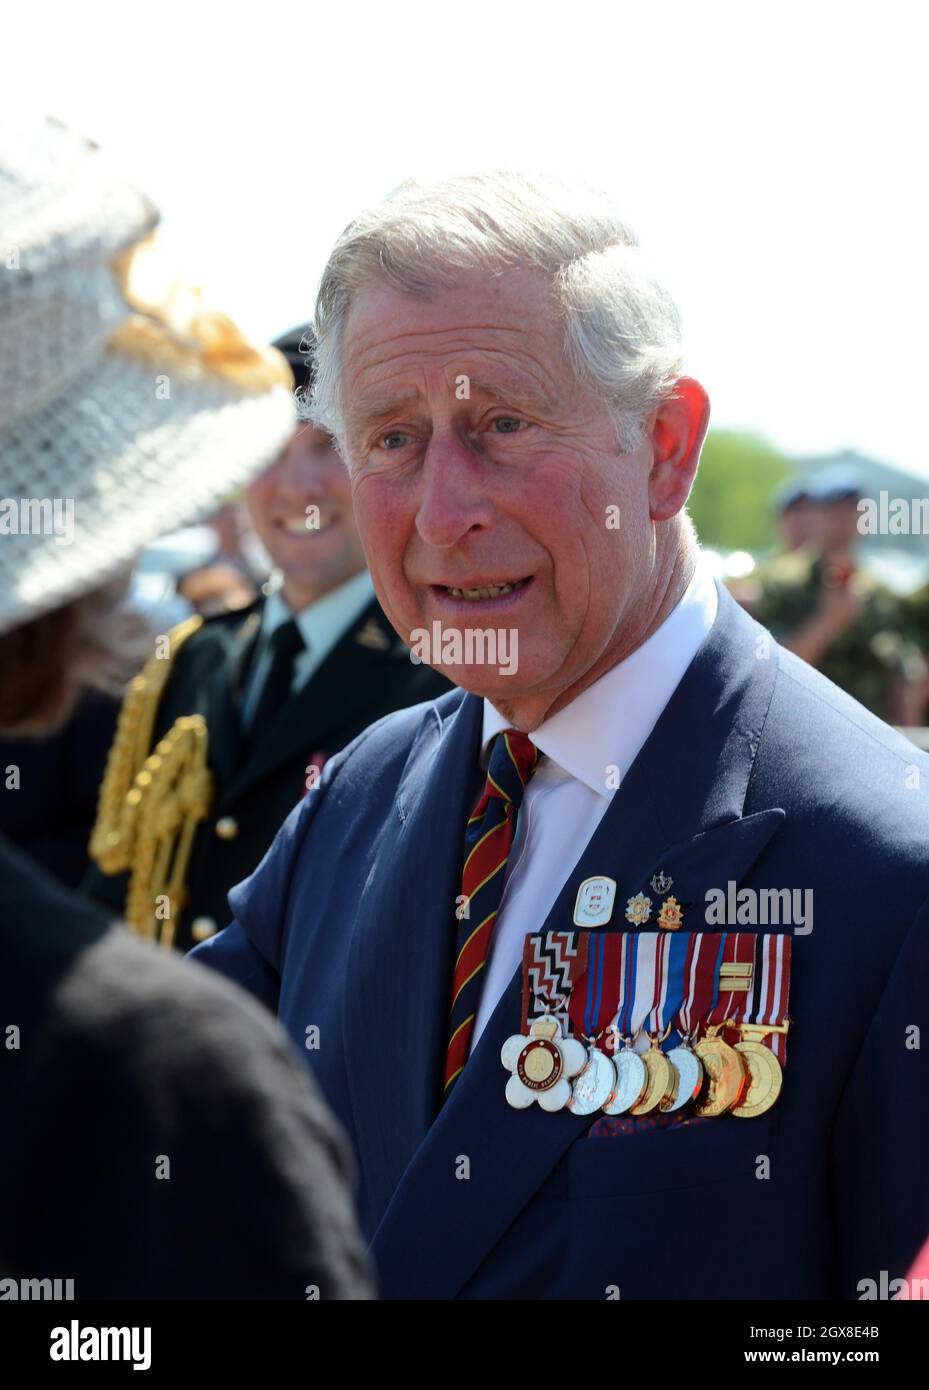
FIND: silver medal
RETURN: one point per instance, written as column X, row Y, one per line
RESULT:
column 593, row 1085
column 631, row 1081
column 689, row 1069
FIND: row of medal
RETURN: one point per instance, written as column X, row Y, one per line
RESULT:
column 621, row 986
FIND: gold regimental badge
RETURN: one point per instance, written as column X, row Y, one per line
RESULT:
column 671, row 914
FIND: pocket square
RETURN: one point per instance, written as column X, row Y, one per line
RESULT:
column 608, row 1126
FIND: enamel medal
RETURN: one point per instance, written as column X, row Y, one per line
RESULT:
column 541, row 1065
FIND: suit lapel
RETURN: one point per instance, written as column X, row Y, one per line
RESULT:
column 396, row 1013
column 678, row 808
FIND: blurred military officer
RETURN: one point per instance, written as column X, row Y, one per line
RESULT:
column 794, row 518
column 821, row 604
column 281, row 684
column 916, row 608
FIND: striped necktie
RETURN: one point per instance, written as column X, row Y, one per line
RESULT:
column 488, row 838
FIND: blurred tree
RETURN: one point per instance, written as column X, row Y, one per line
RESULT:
column 731, row 502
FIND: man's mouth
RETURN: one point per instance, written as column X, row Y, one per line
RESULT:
column 474, row 592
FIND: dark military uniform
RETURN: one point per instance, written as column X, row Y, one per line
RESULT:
column 917, row 617
column 870, row 656
column 257, row 782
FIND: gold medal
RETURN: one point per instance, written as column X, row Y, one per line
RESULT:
column 765, row 1074
column 662, row 1080
column 726, row 1071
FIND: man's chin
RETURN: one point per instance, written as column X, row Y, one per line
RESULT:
column 484, row 660
column 489, row 683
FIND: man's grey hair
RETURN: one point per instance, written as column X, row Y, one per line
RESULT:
column 622, row 332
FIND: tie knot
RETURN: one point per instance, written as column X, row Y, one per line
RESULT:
column 286, row 640
column 513, row 760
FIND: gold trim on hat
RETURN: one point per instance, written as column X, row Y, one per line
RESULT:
column 173, row 329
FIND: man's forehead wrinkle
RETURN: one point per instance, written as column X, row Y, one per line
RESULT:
column 520, row 371
column 509, row 389
column 459, row 339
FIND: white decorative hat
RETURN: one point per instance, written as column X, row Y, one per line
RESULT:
column 127, row 406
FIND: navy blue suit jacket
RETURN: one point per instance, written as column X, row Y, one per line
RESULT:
column 760, row 772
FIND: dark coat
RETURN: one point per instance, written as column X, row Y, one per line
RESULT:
column 366, row 675
column 125, row 1056
column 758, row 773
column 50, row 815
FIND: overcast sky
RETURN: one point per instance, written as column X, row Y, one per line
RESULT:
column 771, row 159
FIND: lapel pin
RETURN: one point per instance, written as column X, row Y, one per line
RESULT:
column 638, row 910
column 671, row 914
column 661, row 882
column 593, row 906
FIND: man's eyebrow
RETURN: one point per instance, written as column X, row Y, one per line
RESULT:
column 514, row 391
column 365, row 411
column 368, row 410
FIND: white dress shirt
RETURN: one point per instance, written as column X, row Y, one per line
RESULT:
column 321, row 626
column 585, row 751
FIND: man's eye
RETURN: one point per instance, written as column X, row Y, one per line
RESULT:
column 394, row 439
column 506, row 424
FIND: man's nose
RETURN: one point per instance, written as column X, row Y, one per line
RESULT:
column 454, row 491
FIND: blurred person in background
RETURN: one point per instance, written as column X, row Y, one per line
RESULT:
column 796, row 517
column 168, row 1143
column 282, row 684
column 54, row 830
column 237, row 545
column 794, row 520
column 916, row 618
column 232, row 575
column 819, row 602
column 49, row 781
column 215, row 588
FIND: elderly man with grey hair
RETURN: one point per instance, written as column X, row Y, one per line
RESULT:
column 613, row 962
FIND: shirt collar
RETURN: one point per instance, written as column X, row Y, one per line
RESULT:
column 607, row 724
column 325, row 621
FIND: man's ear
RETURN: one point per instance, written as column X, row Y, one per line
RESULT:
column 677, row 429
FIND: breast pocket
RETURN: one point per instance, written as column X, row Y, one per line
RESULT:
column 685, row 1155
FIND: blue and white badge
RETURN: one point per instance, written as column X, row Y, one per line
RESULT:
column 594, row 904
